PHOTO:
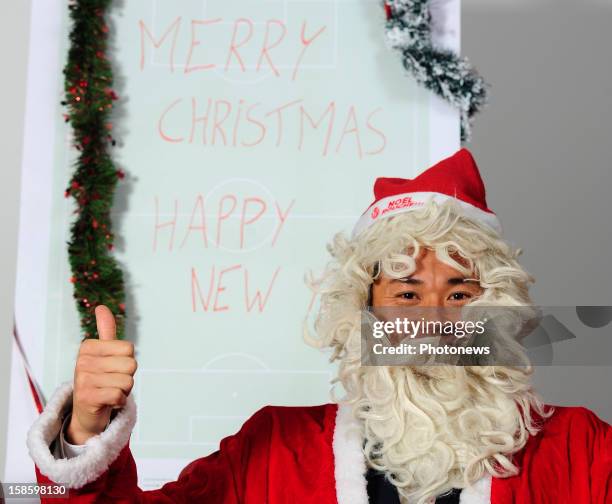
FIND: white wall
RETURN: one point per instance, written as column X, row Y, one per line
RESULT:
column 14, row 36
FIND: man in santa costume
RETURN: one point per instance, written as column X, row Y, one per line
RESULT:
column 409, row 434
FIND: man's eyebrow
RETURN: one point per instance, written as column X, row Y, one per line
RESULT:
column 461, row 280
column 407, row 280
column 450, row 281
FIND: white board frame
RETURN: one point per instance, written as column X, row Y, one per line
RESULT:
column 42, row 95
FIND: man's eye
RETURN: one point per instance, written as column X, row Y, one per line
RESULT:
column 408, row 295
column 460, row 296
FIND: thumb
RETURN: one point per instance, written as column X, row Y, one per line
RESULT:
column 105, row 321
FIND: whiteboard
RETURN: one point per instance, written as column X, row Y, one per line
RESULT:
column 251, row 133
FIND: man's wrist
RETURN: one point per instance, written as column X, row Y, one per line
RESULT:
column 75, row 435
column 63, row 449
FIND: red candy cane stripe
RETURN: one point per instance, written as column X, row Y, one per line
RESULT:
column 37, row 395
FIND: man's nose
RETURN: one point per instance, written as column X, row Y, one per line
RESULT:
column 432, row 300
column 430, row 307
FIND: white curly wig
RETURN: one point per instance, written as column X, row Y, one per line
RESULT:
column 429, row 428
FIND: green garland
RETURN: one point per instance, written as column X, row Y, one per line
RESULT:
column 89, row 97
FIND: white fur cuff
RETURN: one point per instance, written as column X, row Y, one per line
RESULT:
column 100, row 452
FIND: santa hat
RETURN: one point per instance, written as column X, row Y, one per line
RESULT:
column 455, row 178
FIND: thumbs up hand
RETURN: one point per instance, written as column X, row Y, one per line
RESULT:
column 103, row 378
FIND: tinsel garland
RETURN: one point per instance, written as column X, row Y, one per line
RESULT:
column 408, row 30
column 89, row 98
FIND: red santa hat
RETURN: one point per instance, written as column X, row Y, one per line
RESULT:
column 455, row 178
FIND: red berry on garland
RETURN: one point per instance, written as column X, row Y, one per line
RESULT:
column 75, row 184
column 94, row 223
column 72, row 279
column 122, row 306
column 120, row 174
column 111, row 94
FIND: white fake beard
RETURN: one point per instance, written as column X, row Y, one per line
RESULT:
column 431, row 429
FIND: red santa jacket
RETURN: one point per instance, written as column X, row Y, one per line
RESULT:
column 313, row 455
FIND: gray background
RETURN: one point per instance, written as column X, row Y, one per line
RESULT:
column 542, row 146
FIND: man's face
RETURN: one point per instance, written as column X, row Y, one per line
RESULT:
column 433, row 283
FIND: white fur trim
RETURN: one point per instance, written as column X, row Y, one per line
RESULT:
column 349, row 461
column 408, row 202
column 100, row 450
column 478, row 493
